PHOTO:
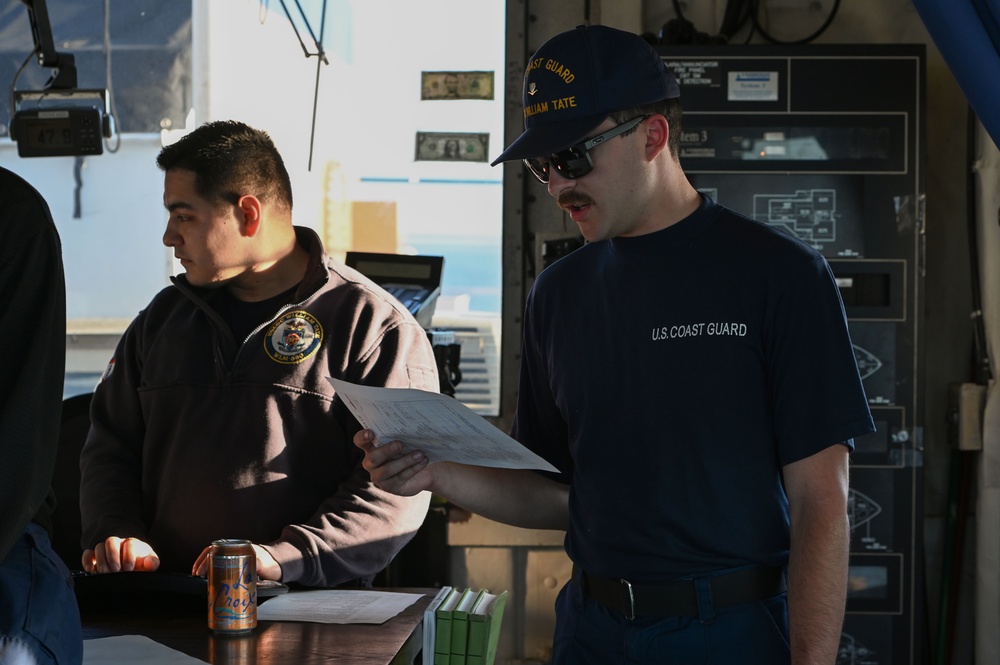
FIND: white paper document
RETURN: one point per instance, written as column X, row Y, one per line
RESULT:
column 439, row 425
column 131, row 649
column 336, row 606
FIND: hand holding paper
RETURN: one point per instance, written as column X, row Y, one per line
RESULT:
column 439, row 425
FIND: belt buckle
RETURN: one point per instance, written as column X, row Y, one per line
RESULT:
column 628, row 599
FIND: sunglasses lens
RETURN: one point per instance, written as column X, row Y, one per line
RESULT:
column 571, row 164
column 539, row 166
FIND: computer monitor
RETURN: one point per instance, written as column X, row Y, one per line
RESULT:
column 414, row 280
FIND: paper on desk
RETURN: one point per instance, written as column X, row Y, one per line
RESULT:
column 336, row 606
column 439, row 425
column 132, row 649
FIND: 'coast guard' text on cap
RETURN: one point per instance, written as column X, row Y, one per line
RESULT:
column 554, row 66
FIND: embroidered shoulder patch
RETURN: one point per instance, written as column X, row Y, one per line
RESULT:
column 108, row 370
column 293, row 338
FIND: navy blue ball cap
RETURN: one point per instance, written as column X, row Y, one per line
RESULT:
column 579, row 77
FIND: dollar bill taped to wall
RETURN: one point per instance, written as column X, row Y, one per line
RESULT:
column 456, row 85
column 452, row 147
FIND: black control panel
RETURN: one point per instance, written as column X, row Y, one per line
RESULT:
column 826, row 143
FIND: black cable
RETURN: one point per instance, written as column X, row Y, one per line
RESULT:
column 677, row 10
column 733, row 19
column 805, row 40
column 983, row 371
column 680, row 30
column 17, row 75
column 749, row 7
column 748, row 17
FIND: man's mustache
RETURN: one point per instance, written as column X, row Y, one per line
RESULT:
column 570, row 198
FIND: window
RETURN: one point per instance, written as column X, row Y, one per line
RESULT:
column 364, row 174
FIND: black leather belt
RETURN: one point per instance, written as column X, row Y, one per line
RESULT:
column 679, row 597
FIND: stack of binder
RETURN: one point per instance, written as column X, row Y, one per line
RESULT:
column 462, row 626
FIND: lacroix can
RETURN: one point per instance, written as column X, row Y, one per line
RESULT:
column 232, row 587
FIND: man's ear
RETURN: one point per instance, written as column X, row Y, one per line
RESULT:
column 657, row 135
column 249, row 212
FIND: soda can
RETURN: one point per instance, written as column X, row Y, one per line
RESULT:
column 232, row 587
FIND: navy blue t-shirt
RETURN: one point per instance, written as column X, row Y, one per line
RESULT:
column 671, row 376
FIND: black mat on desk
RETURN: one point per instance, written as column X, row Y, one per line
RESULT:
column 86, row 584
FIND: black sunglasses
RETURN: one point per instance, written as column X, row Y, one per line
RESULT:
column 574, row 161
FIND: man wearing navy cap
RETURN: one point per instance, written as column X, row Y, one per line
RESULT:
column 689, row 371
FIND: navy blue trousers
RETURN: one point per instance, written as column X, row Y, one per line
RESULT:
column 590, row 633
column 38, row 610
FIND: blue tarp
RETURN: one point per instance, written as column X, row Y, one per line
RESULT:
column 967, row 33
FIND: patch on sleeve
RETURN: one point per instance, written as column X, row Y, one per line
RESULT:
column 108, row 370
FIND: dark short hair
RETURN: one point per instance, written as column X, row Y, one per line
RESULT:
column 231, row 159
column 668, row 108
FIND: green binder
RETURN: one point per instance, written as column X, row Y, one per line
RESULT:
column 460, row 625
column 442, row 638
column 484, row 629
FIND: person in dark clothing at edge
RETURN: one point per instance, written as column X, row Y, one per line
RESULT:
column 216, row 419
column 690, row 372
column 39, row 617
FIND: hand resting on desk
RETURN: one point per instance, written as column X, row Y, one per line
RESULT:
column 120, row 554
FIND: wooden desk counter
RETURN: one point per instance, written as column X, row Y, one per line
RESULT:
column 180, row 622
